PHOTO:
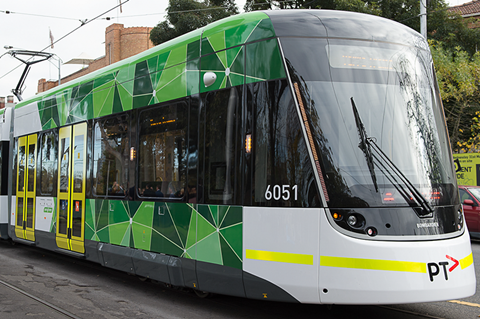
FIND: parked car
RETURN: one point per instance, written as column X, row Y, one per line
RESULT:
column 470, row 199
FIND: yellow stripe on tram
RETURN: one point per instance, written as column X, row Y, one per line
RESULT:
column 291, row 258
column 373, row 264
column 467, row 261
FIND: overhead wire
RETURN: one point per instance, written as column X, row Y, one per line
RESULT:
column 87, row 21
column 83, row 22
column 36, row 15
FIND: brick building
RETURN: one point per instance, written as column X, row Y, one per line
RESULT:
column 469, row 10
column 9, row 101
column 120, row 43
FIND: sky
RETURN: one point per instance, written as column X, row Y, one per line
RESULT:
column 30, row 22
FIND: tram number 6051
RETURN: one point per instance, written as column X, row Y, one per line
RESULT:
column 278, row 192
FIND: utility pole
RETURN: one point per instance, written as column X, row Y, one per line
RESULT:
column 423, row 18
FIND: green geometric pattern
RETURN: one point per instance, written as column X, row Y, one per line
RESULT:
column 208, row 233
column 53, row 223
column 168, row 71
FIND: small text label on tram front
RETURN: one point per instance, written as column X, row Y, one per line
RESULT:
column 435, row 269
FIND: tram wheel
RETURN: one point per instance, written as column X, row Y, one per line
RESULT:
column 201, row 294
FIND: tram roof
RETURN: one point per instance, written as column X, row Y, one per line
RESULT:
column 226, row 33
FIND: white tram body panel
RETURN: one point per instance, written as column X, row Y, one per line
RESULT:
column 281, row 245
column 357, row 271
column 27, row 120
column 13, row 210
column 298, row 250
column 3, row 210
column 44, row 213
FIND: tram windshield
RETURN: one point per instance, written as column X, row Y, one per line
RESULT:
column 393, row 89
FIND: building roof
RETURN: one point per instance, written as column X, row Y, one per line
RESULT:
column 468, row 9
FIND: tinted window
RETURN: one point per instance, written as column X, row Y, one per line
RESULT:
column 21, row 168
column 31, row 167
column 110, row 156
column 356, row 92
column 283, row 174
column 162, row 152
column 64, row 164
column 464, row 195
column 48, row 162
column 220, row 145
column 78, row 163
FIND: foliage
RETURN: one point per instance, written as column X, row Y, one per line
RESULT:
column 441, row 25
column 347, row 5
column 472, row 144
column 458, row 76
column 187, row 15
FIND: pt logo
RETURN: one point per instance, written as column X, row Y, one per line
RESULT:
column 434, row 269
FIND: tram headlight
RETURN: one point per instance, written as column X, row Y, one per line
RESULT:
column 355, row 220
column 352, row 220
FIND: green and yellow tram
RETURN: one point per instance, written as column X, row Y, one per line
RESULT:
column 290, row 155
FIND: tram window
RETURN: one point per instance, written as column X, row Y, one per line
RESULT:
column 31, row 167
column 48, row 162
column 220, row 145
column 283, row 173
column 64, row 163
column 78, row 164
column 21, row 168
column 162, row 156
column 110, row 156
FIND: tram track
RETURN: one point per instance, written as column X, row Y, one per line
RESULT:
column 410, row 312
column 39, row 300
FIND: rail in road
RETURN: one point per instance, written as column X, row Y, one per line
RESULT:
column 18, row 303
column 35, row 282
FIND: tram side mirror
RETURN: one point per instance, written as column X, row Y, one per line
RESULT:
column 209, row 78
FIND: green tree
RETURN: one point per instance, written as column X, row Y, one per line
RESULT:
column 443, row 26
column 347, row 5
column 458, row 76
column 187, row 15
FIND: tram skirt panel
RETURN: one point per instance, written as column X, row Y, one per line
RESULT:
column 359, row 271
column 281, row 247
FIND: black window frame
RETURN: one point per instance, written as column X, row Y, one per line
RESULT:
column 40, row 192
column 91, row 172
column 183, row 168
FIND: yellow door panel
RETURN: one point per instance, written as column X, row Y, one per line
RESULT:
column 30, row 189
column 78, row 187
column 26, row 181
column 19, row 230
column 71, row 187
column 63, row 183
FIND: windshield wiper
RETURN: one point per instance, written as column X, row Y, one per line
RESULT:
column 364, row 145
column 367, row 145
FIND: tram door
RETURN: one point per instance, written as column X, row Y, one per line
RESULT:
column 71, row 187
column 26, row 168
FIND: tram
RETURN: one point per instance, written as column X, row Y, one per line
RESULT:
column 290, row 155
